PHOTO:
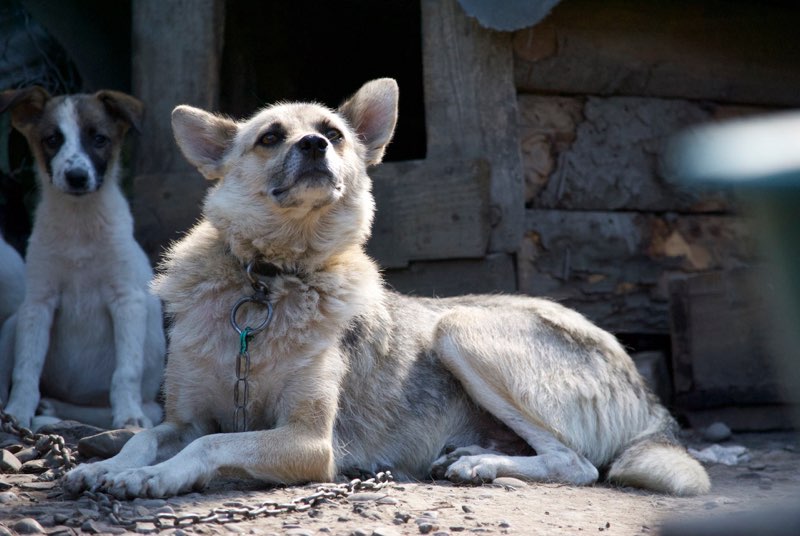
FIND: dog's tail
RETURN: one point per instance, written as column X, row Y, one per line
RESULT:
column 659, row 465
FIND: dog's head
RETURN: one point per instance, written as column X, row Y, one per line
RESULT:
column 76, row 139
column 292, row 179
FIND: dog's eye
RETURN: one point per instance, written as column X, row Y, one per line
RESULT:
column 333, row 135
column 53, row 141
column 99, row 141
column 270, row 138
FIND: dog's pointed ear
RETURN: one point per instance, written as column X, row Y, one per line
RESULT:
column 26, row 105
column 372, row 112
column 203, row 138
column 122, row 107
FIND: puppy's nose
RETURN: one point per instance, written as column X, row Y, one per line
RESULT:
column 77, row 179
column 313, row 145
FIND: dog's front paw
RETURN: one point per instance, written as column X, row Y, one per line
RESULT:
column 88, row 476
column 478, row 469
column 158, row 481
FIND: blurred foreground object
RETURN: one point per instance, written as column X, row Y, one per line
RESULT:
column 760, row 157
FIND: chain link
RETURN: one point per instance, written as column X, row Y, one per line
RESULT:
column 241, row 390
column 48, row 446
column 112, row 507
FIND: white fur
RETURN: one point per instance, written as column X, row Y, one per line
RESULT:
column 89, row 332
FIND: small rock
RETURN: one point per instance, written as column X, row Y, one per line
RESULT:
column 7, row 496
column 716, row 432
column 37, row 486
column 431, row 514
column 387, row 500
column 5, row 486
column 426, row 526
column 365, row 497
column 9, row 463
column 5, row 532
column 384, row 531
column 91, row 527
column 359, row 532
column 104, row 444
column 34, row 467
column 71, row 431
column 299, row 532
column 60, row 518
column 27, row 454
column 467, row 509
column 457, row 528
column 509, row 482
column 504, row 524
column 401, row 517
column 27, row 525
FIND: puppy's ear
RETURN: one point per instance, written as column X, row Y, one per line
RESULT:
column 122, row 107
column 203, row 138
column 26, row 105
column 372, row 112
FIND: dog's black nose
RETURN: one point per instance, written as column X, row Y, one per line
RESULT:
column 313, row 145
column 77, row 179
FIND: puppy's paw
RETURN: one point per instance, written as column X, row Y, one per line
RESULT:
column 88, row 476
column 132, row 420
column 21, row 412
column 158, row 481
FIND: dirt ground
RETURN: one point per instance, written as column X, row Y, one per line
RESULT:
column 771, row 478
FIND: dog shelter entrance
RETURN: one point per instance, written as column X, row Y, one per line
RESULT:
column 323, row 52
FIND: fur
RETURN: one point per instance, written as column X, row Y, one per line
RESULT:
column 87, row 342
column 351, row 377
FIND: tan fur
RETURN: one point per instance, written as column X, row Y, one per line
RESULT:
column 350, row 376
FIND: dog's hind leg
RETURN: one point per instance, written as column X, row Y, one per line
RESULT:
column 470, row 352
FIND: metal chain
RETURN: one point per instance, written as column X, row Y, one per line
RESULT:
column 240, row 389
column 48, row 446
column 112, row 507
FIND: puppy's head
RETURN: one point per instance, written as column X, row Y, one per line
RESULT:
column 75, row 139
column 294, row 172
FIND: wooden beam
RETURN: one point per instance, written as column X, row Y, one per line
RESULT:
column 470, row 107
column 430, row 210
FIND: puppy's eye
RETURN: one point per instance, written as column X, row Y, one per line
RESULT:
column 53, row 141
column 270, row 138
column 99, row 141
column 333, row 135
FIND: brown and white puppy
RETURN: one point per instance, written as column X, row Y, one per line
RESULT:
column 350, row 376
column 88, row 333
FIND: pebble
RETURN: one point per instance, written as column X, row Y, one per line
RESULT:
column 8, row 462
column 504, row 524
column 104, row 444
column 387, row 500
column 71, row 431
column 5, row 532
column 34, row 466
column 427, row 526
column 359, row 532
column 299, row 532
column 384, row 531
column 4, row 486
column 467, row 509
column 365, row 497
column 508, row 482
column 7, row 496
column 27, row 454
column 91, row 527
column 27, row 525
column 716, row 432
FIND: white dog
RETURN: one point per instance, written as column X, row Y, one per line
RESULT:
column 12, row 280
column 88, row 333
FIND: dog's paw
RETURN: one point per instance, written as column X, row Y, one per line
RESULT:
column 443, row 463
column 88, row 476
column 158, row 481
column 478, row 469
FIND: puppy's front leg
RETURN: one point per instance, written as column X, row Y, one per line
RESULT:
column 32, row 338
column 289, row 454
column 129, row 315
column 144, row 448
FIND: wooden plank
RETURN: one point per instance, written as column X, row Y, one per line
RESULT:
column 470, row 107
column 720, row 341
column 492, row 274
column 741, row 52
column 177, row 48
column 166, row 205
column 430, row 210
column 615, row 266
column 606, row 153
